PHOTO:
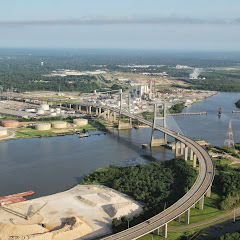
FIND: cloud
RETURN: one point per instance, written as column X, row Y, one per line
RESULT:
column 117, row 20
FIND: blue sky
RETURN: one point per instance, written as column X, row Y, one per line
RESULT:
column 142, row 24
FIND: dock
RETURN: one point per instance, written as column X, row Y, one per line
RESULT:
column 186, row 114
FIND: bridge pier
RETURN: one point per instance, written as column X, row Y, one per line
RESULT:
column 99, row 112
column 187, row 216
column 158, row 142
column 201, row 203
column 186, row 153
column 177, row 149
column 108, row 115
column 96, row 111
column 208, row 194
column 70, row 106
column 114, row 116
column 191, row 154
column 79, row 108
column 194, row 160
column 164, row 230
column 182, row 148
column 90, row 110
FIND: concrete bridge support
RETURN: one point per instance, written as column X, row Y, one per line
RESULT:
column 108, row 115
column 70, row 106
column 90, row 110
column 79, row 108
column 194, row 160
column 191, row 154
column 99, row 112
column 114, row 116
column 208, row 194
column 111, row 117
column 164, row 231
column 105, row 114
column 201, row 203
column 177, row 154
column 187, row 216
column 186, row 153
column 182, row 148
column 158, row 142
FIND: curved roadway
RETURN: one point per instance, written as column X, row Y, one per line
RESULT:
column 198, row 190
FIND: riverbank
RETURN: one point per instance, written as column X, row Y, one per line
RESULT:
column 84, row 211
column 29, row 132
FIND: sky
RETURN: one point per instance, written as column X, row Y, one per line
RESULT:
column 206, row 25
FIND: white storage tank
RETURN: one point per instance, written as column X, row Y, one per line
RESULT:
column 43, row 126
column 3, row 132
column 40, row 111
column 80, row 122
column 59, row 124
column 44, row 106
column 30, row 110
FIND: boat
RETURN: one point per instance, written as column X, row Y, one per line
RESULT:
column 82, row 135
column 15, row 198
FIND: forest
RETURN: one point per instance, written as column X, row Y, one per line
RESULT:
column 21, row 69
column 157, row 185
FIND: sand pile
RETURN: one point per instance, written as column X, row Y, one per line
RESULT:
column 122, row 209
column 71, row 228
column 7, row 229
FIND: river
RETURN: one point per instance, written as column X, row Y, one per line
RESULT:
column 51, row 165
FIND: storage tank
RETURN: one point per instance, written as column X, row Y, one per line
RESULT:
column 43, row 126
column 59, row 124
column 40, row 111
column 44, row 106
column 30, row 110
column 10, row 123
column 53, row 114
column 80, row 121
column 58, row 110
column 3, row 132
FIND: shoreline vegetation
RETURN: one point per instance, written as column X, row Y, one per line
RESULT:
column 157, row 185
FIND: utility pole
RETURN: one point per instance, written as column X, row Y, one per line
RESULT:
column 234, row 215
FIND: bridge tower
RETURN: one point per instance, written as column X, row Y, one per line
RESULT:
column 122, row 125
column 229, row 141
column 159, row 142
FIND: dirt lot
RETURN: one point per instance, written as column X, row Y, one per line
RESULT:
column 84, row 211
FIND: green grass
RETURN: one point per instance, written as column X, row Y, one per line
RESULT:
column 3, row 117
column 222, row 161
column 30, row 133
column 197, row 100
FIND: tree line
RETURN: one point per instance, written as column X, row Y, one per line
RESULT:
column 157, row 185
